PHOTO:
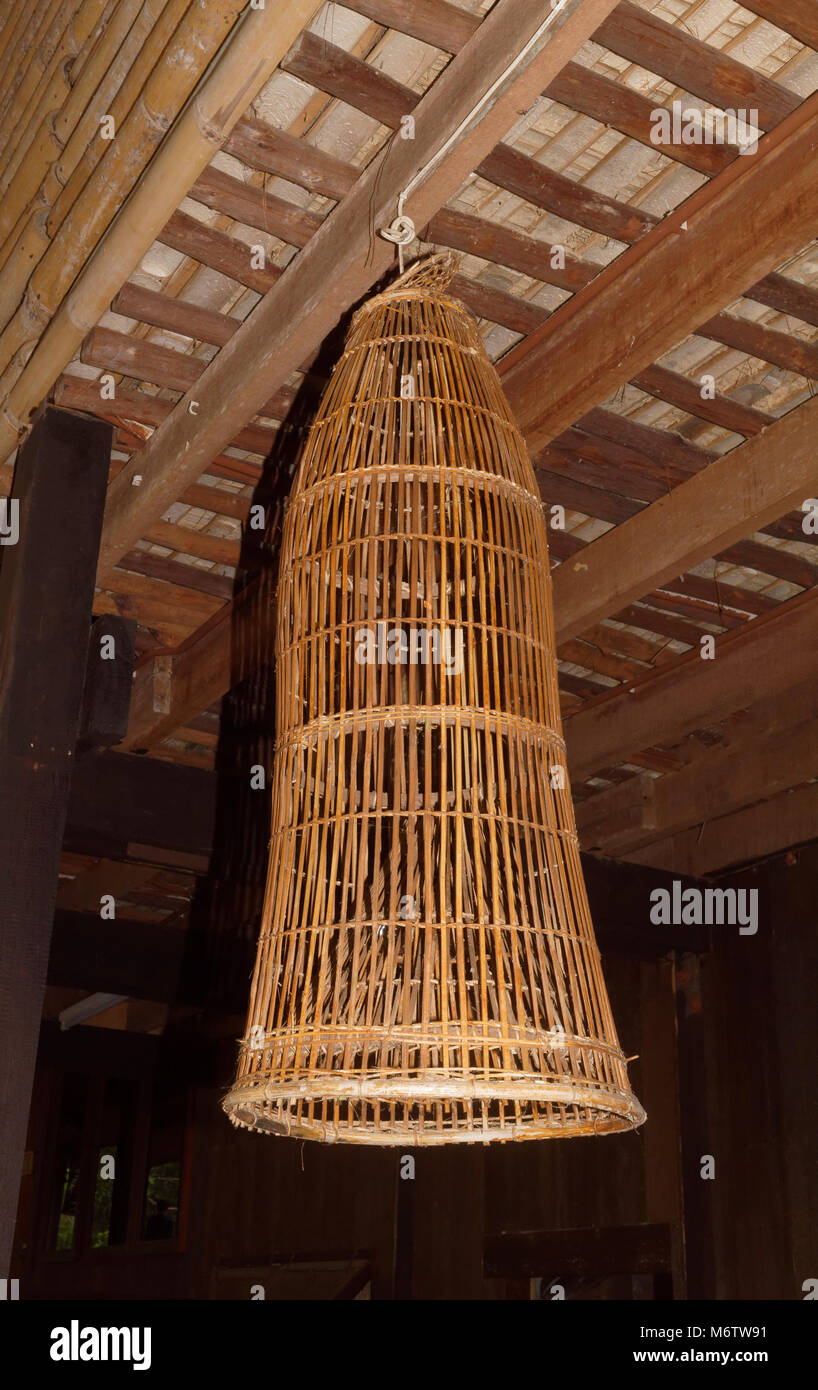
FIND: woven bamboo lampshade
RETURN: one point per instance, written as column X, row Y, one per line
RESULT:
column 427, row 971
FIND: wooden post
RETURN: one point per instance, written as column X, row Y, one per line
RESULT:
column 46, row 592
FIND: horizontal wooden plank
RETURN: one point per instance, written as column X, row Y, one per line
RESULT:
column 740, row 838
column 255, row 207
column 671, row 52
column 669, row 283
column 80, row 394
column 691, row 693
column 716, row 784
column 764, row 478
column 214, row 248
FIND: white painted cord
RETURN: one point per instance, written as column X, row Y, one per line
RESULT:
column 401, row 230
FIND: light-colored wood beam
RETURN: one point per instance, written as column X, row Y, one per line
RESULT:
column 740, row 838
column 750, row 768
column 729, row 234
column 759, row 660
column 744, row 490
column 343, row 260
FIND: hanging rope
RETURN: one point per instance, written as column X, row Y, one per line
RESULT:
column 401, row 231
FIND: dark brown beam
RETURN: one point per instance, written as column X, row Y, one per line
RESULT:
column 768, row 344
column 143, row 960
column 444, row 25
column 796, row 17
column 690, row 693
column 671, row 52
column 106, row 695
column 787, row 296
column 119, row 800
column 680, row 391
column 476, row 236
column 46, row 591
column 216, row 249
column 161, row 366
column 615, row 104
column 663, row 447
column 273, row 151
column 174, row 315
column 574, row 202
column 637, row 308
column 79, row 394
column 255, row 207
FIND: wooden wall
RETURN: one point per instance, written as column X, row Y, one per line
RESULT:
column 725, row 1040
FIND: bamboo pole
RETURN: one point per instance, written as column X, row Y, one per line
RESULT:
column 27, row 32
column 10, row 26
column 81, row 35
column 156, row 94
column 80, row 160
column 56, row 48
column 85, row 104
column 30, row 239
column 232, row 83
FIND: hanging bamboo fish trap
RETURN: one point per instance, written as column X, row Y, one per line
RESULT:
column 427, row 971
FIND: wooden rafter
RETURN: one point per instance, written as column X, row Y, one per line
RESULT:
column 693, row 692
column 737, row 838
column 739, row 493
column 725, row 237
column 342, row 260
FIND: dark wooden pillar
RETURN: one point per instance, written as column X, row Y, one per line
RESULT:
column 46, row 593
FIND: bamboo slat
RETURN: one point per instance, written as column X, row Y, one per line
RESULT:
column 427, row 971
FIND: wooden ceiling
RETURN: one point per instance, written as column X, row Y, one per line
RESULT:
column 190, row 207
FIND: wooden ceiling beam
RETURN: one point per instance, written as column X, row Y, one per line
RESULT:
column 739, row 838
column 664, row 447
column 675, row 389
column 161, row 366
column 77, row 393
column 488, row 302
column 575, row 202
column 769, row 344
column 341, row 261
column 691, row 693
column 615, row 104
column 272, row 151
column 255, row 207
column 504, row 246
column 787, row 296
column 719, row 596
column 763, row 479
column 174, row 315
column 723, row 238
column 796, row 17
column 754, row 766
column 432, row 21
column 216, row 249
column 697, row 67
